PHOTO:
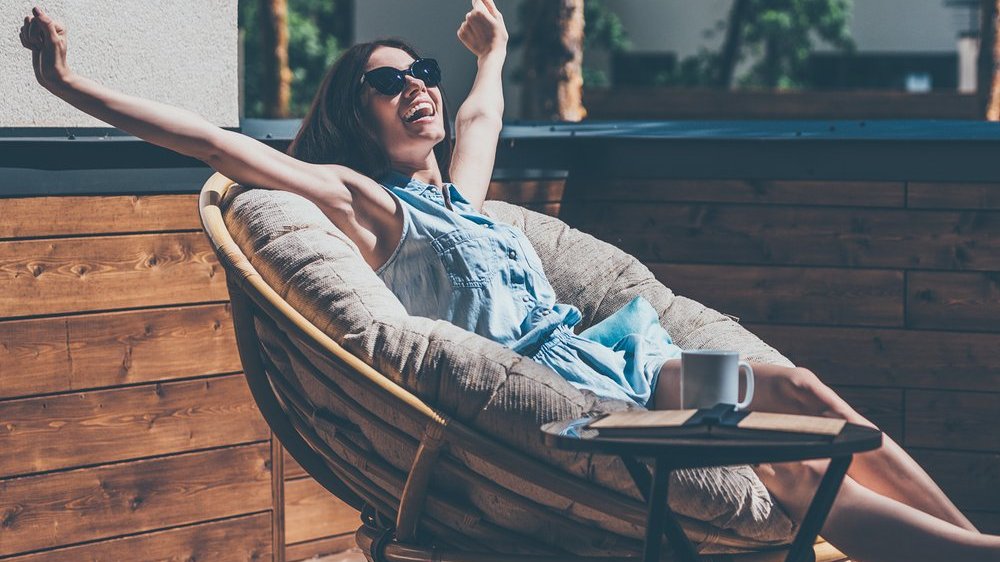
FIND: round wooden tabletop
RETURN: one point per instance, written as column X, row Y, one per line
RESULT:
column 690, row 452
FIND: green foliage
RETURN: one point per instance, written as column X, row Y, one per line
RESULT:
column 780, row 35
column 781, row 32
column 318, row 30
column 691, row 72
column 603, row 30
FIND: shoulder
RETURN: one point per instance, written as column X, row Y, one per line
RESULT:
column 458, row 198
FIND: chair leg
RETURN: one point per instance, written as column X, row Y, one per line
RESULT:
column 372, row 542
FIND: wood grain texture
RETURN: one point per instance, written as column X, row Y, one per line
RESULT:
column 527, row 191
column 550, row 209
column 773, row 192
column 969, row 479
column 44, row 355
column 953, row 301
column 320, row 547
column 790, row 235
column 881, row 406
column 925, row 195
column 96, row 214
column 952, row 420
column 889, row 357
column 241, row 539
column 88, row 504
column 664, row 102
column 67, row 430
column 277, row 498
column 790, row 294
column 311, row 512
column 50, row 276
column 293, row 470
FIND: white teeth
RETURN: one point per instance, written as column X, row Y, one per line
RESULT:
column 415, row 108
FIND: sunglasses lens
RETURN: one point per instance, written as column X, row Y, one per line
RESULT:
column 388, row 81
column 428, row 71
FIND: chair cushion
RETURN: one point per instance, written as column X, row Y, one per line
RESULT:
column 480, row 383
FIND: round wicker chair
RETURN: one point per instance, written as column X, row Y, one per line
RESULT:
column 315, row 394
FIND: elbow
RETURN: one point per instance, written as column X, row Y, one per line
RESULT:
column 479, row 115
column 209, row 147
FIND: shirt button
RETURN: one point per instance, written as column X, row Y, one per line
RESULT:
column 512, row 254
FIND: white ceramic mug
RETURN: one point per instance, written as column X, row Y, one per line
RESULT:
column 710, row 377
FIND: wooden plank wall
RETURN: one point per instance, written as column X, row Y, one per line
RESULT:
column 127, row 430
column 667, row 103
column 889, row 291
column 125, row 422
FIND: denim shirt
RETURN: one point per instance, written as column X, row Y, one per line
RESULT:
column 461, row 266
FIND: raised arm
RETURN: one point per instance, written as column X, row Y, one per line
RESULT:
column 478, row 121
column 164, row 125
column 355, row 203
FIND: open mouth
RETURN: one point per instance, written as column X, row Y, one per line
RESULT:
column 419, row 113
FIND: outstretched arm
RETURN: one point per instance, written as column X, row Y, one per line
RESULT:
column 164, row 125
column 478, row 121
column 350, row 199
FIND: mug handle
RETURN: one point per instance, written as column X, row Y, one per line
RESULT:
column 746, row 369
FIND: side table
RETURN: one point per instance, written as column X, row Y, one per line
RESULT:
column 672, row 453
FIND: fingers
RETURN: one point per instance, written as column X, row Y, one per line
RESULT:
column 491, row 8
column 29, row 34
column 43, row 27
column 36, row 32
column 23, row 35
column 486, row 7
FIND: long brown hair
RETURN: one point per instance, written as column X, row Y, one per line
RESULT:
column 336, row 130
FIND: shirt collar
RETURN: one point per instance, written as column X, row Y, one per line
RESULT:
column 399, row 179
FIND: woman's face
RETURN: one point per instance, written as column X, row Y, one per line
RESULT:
column 405, row 136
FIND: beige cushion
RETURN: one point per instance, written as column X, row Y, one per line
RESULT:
column 316, row 268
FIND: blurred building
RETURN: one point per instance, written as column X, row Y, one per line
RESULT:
column 901, row 44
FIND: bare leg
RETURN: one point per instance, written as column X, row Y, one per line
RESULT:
column 888, row 470
column 870, row 527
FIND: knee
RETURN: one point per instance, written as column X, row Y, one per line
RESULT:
column 803, row 380
column 813, row 397
column 804, row 389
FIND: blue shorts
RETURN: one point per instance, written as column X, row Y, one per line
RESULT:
column 619, row 357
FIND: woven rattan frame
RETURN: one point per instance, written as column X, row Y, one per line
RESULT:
column 394, row 506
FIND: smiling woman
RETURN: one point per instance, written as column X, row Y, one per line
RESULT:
column 347, row 122
column 380, row 179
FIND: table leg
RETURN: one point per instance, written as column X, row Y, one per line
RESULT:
column 802, row 547
column 639, row 474
column 661, row 520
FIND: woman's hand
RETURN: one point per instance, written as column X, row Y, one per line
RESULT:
column 483, row 30
column 47, row 40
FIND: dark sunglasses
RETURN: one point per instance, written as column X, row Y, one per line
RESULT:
column 390, row 81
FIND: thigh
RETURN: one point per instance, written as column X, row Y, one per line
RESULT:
column 785, row 390
column 776, row 388
column 788, row 390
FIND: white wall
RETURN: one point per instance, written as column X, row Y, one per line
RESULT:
column 181, row 52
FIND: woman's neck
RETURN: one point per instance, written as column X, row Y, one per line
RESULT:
column 426, row 170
